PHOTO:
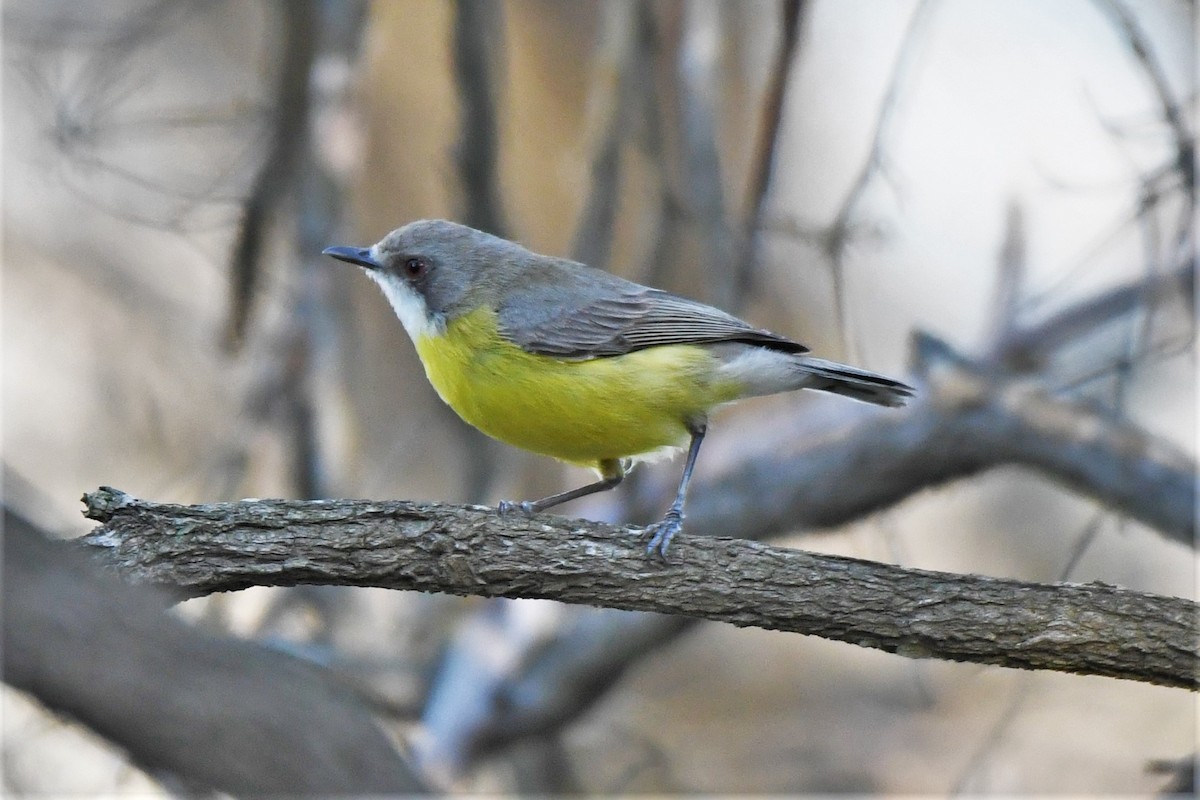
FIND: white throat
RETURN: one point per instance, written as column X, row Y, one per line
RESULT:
column 409, row 306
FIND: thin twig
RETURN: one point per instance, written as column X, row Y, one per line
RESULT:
column 478, row 32
column 763, row 159
column 1028, row 348
column 288, row 141
column 838, row 234
column 1173, row 115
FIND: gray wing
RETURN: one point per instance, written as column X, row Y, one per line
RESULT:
column 585, row 313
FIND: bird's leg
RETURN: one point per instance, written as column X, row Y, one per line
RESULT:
column 662, row 532
column 611, row 471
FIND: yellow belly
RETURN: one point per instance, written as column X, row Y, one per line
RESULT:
column 577, row 411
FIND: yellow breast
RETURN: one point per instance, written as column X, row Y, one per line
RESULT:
column 576, row 411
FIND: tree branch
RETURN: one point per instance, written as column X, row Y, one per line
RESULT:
column 469, row 550
column 216, row 712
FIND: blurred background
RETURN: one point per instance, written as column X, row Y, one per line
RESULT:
column 846, row 173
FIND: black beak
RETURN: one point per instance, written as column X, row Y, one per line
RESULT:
column 353, row 255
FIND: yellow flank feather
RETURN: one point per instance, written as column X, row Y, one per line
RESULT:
column 578, row 411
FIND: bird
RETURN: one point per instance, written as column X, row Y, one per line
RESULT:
column 557, row 358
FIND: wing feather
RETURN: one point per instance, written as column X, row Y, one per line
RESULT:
column 584, row 313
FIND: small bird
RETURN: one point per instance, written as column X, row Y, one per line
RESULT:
column 575, row 363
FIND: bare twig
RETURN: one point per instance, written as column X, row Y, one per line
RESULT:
column 608, row 116
column 763, row 159
column 1173, row 115
column 288, row 140
column 1092, row 628
column 838, row 234
column 1010, row 273
column 695, row 194
column 95, row 114
column 477, row 36
column 1028, row 348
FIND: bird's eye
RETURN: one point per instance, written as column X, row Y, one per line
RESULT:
column 415, row 267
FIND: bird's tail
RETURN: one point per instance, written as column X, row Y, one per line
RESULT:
column 843, row 379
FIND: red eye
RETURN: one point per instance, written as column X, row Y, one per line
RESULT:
column 414, row 267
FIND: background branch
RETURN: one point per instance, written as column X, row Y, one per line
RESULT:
column 88, row 646
column 478, row 37
column 610, row 113
column 838, row 235
column 766, row 145
column 965, row 420
column 1173, row 115
column 1029, row 348
column 1094, row 628
column 288, row 139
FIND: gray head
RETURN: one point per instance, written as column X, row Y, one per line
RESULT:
column 431, row 270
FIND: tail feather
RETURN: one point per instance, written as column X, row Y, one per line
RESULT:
column 859, row 384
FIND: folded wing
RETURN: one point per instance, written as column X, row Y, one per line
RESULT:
column 585, row 313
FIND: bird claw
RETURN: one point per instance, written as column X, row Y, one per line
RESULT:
column 507, row 507
column 662, row 533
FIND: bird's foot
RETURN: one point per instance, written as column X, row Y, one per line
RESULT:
column 507, row 507
column 661, row 534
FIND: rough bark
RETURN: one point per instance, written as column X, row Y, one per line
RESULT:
column 1093, row 628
